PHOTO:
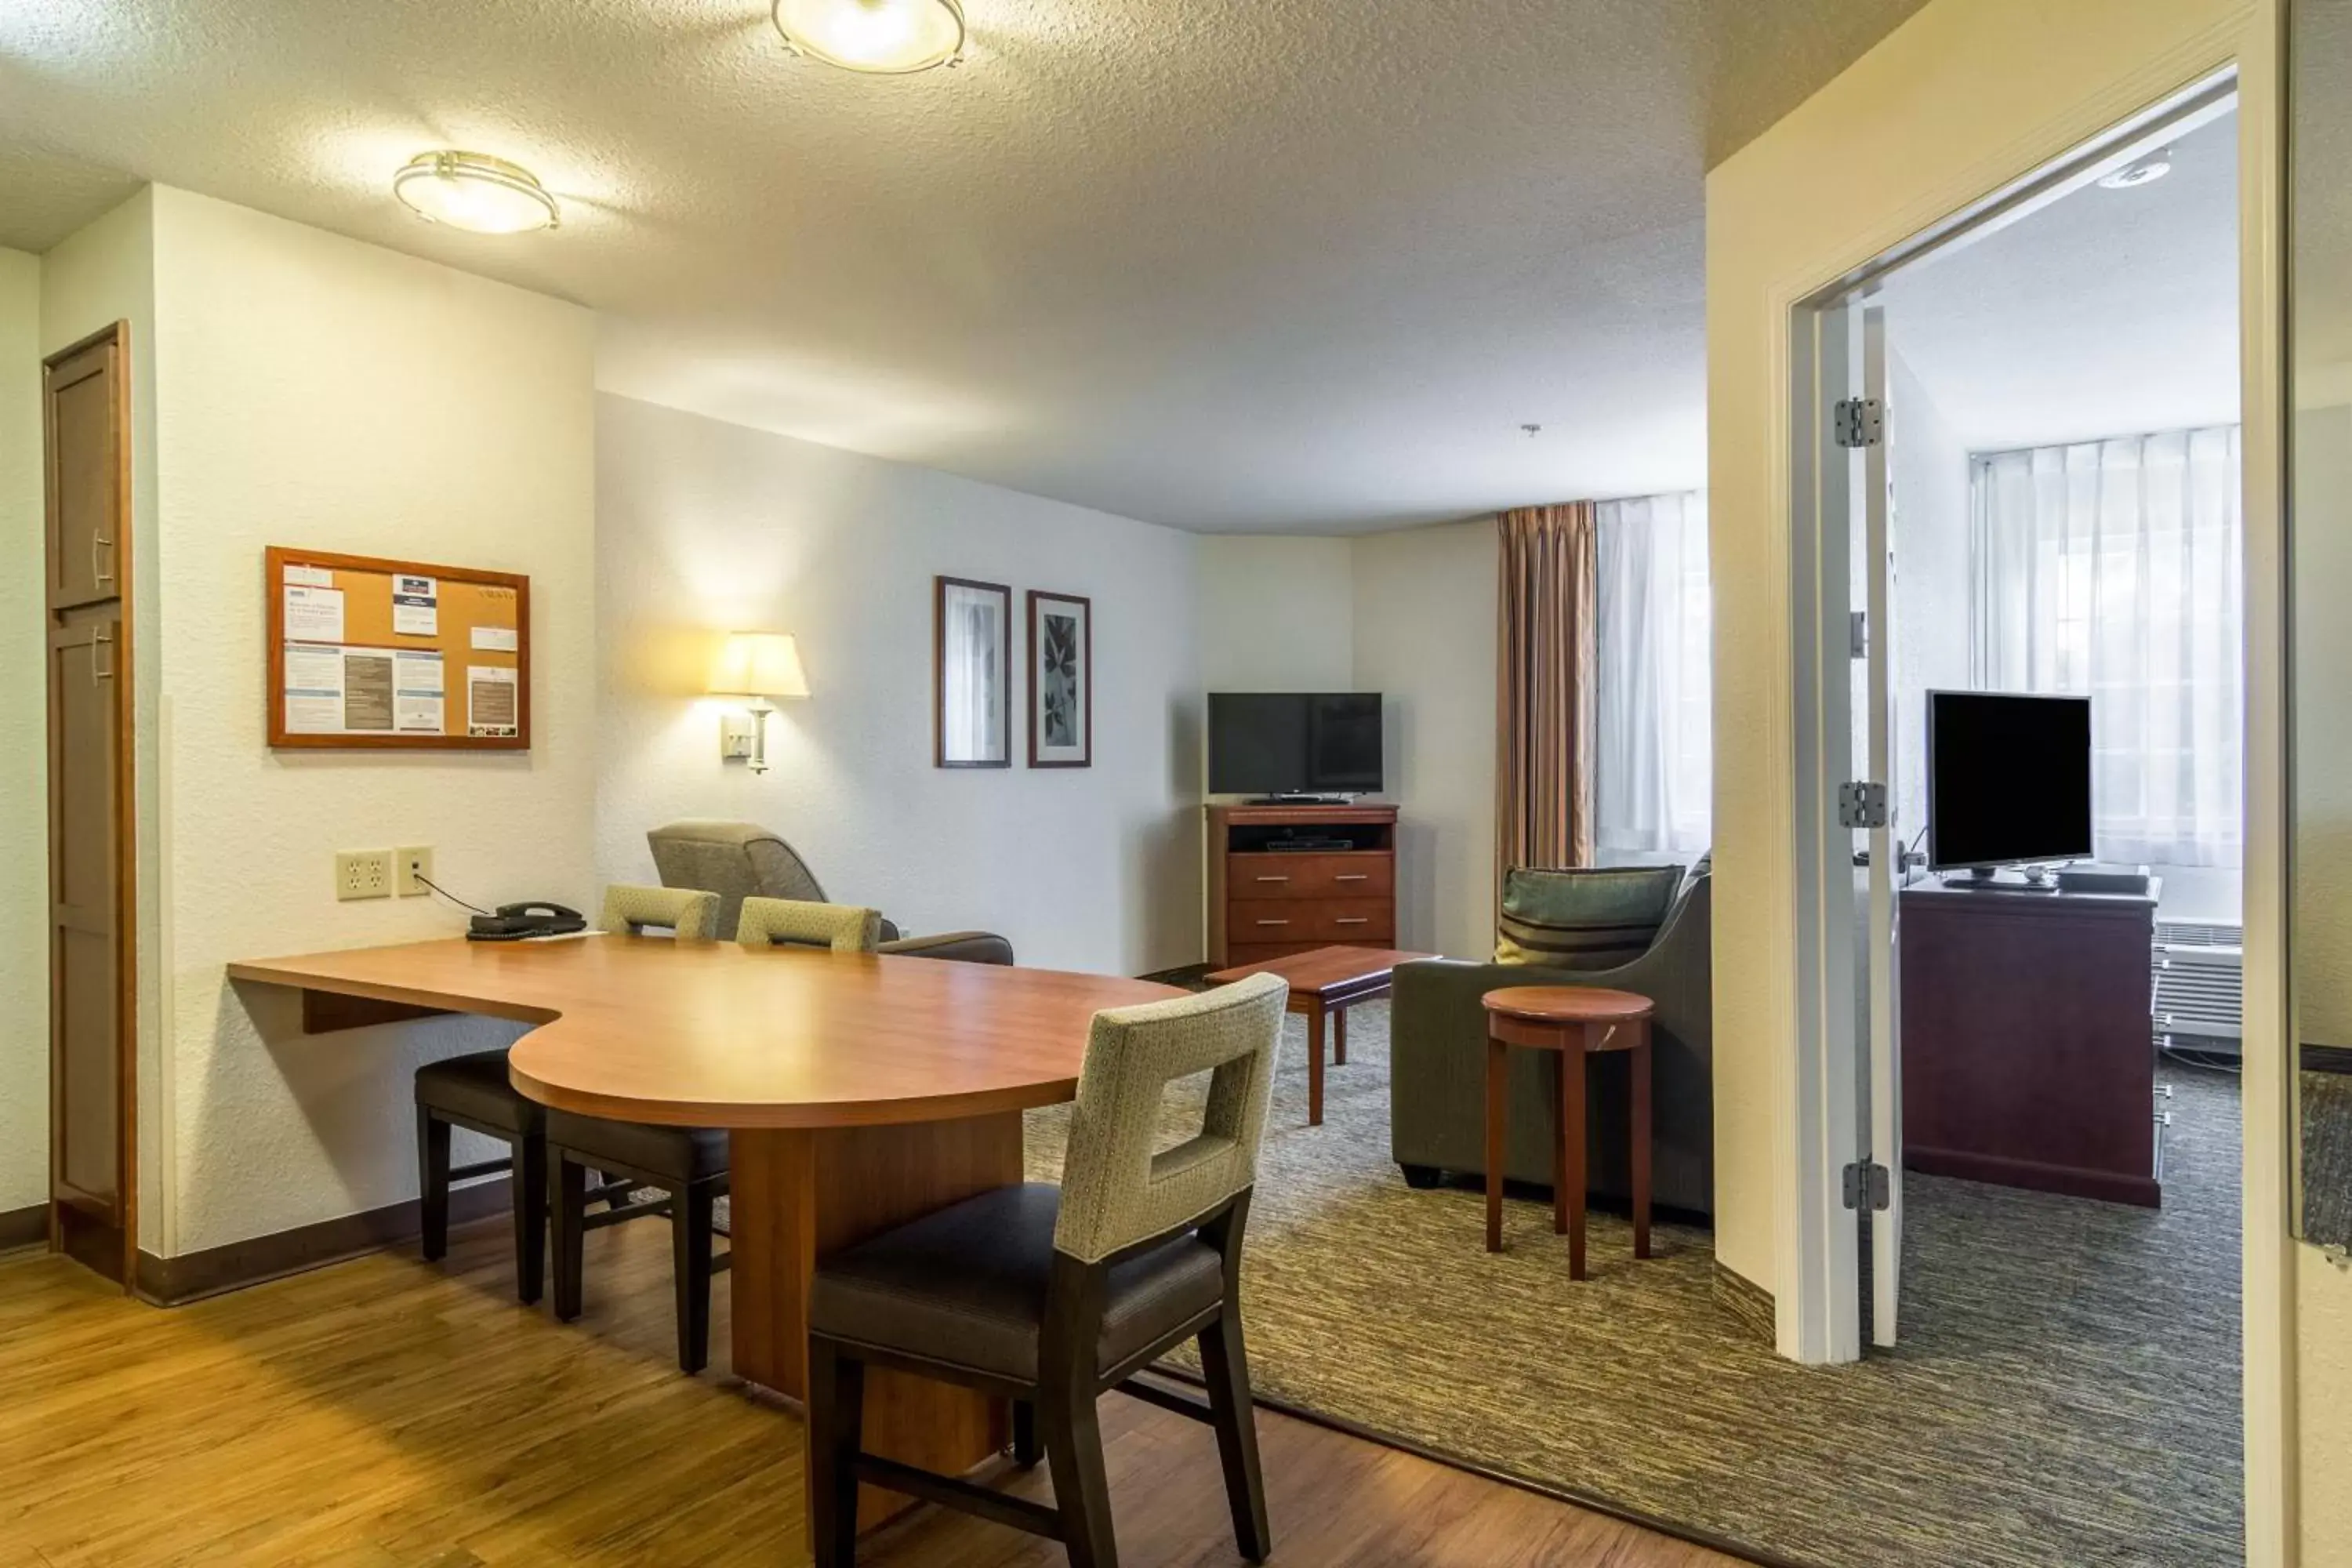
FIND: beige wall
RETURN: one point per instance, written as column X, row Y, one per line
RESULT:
column 1425, row 638
column 319, row 391
column 1965, row 96
column 24, row 745
column 703, row 526
column 1277, row 613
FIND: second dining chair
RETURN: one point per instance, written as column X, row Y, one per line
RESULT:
column 1052, row 1296
column 686, row 1164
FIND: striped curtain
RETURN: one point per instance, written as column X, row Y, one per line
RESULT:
column 1545, row 706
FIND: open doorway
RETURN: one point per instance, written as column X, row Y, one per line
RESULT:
column 2026, row 591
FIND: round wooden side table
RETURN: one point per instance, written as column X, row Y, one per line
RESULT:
column 1578, row 1022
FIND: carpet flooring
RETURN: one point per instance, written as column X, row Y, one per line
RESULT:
column 2328, row 1158
column 2065, row 1395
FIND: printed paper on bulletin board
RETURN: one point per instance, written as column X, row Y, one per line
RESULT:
column 366, row 652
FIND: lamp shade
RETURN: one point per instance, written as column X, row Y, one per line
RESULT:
column 759, row 664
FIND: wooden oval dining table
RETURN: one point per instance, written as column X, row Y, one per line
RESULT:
column 859, row 1091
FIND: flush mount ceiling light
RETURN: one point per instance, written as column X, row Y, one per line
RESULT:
column 2139, row 172
column 884, row 37
column 474, row 191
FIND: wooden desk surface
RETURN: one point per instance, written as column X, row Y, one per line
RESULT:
column 714, row 1034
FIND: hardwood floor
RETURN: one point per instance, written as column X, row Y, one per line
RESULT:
column 382, row 1413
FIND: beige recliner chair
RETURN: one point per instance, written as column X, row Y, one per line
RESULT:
column 738, row 860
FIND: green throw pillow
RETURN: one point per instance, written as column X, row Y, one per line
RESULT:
column 1585, row 919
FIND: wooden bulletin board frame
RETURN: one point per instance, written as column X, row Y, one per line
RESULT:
column 477, row 600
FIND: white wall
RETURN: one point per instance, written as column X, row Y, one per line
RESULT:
column 1424, row 637
column 316, row 391
column 1277, row 613
column 24, row 748
column 1930, row 635
column 104, row 273
column 705, row 526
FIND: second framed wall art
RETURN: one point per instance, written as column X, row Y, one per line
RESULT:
column 1060, row 680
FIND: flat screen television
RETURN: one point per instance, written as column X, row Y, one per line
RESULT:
column 1294, row 743
column 2009, row 779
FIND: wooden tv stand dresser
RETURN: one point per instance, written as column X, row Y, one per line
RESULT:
column 1269, row 902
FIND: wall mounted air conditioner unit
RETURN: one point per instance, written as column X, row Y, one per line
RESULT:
column 2200, row 970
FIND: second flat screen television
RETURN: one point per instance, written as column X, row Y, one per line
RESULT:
column 1294, row 743
column 2009, row 779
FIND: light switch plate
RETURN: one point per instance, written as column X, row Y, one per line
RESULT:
column 364, row 874
column 408, row 864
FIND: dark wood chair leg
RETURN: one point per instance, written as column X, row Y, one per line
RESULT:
column 836, row 1411
column 530, row 1218
column 1074, row 1455
column 1025, row 1450
column 432, row 1183
column 1422, row 1178
column 568, row 1205
column 1224, row 1366
column 689, row 1225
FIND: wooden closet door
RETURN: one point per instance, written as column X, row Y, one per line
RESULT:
column 87, row 476
column 84, row 993
column 93, row 1091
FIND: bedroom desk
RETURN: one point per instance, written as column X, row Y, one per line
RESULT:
column 860, row 1091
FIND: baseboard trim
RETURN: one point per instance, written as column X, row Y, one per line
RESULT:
column 216, row 1270
column 24, row 1227
column 2326, row 1058
column 1748, row 1302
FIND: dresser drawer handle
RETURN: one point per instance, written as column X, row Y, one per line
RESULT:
column 1274, row 923
column 1353, row 876
column 1353, row 920
column 1274, row 879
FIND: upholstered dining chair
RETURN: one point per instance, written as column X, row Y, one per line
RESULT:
column 1052, row 1296
column 473, row 1091
column 686, row 1164
column 767, row 922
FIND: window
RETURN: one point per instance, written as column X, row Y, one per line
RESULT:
column 1653, row 759
column 2112, row 569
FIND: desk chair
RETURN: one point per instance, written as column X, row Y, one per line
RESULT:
column 473, row 1091
column 1054, row 1297
column 686, row 1164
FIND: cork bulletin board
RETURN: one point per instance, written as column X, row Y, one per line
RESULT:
column 368, row 653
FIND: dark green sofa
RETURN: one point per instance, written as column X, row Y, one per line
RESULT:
column 1438, row 1065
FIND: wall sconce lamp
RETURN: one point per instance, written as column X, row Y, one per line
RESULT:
column 761, row 666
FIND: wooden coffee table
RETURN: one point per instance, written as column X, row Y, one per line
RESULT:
column 1578, row 1022
column 1324, row 984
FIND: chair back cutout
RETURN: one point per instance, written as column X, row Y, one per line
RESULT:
column 1116, row 1191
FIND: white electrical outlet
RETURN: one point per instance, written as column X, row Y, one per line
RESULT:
column 364, row 874
column 408, row 864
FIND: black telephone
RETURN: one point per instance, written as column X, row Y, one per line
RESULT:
column 513, row 922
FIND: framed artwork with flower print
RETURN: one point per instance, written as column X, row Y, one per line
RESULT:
column 1060, row 680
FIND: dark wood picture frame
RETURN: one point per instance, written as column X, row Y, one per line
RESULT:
column 277, row 558
column 1004, row 592
column 1039, row 599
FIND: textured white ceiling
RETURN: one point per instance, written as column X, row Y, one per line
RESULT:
column 2107, row 313
column 1225, row 264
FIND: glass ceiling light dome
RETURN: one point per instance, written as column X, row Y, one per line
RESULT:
column 884, row 37
column 474, row 191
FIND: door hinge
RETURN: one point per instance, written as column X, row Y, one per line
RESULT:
column 1867, row 1180
column 1858, row 422
column 1858, row 633
column 1862, row 804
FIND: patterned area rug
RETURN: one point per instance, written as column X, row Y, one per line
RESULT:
column 2066, row 1394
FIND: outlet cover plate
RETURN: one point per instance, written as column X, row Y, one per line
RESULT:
column 364, row 874
column 408, row 863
